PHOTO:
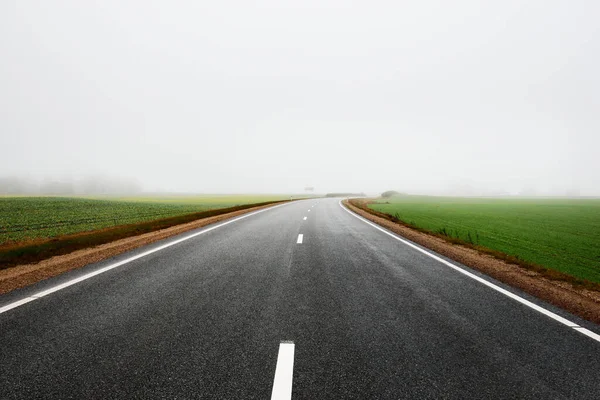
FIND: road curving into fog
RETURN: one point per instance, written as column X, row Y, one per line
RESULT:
column 303, row 299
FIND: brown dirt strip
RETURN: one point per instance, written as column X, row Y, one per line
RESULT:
column 24, row 275
column 573, row 298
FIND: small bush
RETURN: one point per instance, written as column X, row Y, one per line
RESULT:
column 391, row 193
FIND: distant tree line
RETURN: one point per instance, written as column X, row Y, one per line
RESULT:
column 12, row 185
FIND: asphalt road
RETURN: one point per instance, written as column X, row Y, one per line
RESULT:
column 370, row 318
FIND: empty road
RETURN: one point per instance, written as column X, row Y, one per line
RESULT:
column 304, row 298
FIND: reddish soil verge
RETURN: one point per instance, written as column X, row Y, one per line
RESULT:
column 24, row 275
column 573, row 298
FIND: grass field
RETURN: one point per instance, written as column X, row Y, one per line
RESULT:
column 560, row 234
column 30, row 218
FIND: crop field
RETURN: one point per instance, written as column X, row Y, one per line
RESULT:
column 559, row 234
column 30, row 218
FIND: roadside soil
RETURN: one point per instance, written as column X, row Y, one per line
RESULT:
column 27, row 274
column 577, row 300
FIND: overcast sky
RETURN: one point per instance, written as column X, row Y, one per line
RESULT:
column 272, row 96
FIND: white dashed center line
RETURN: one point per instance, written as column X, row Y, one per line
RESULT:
column 305, row 218
column 300, row 237
column 284, row 372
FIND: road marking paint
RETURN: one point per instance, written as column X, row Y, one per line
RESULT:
column 305, row 218
column 497, row 288
column 17, row 304
column 308, row 210
column 300, row 237
column 53, row 289
column 588, row 333
column 284, row 372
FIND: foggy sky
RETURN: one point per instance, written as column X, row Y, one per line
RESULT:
column 271, row 96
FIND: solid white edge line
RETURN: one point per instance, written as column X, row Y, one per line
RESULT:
column 17, row 304
column 497, row 288
column 300, row 238
column 588, row 333
column 284, row 372
column 46, row 292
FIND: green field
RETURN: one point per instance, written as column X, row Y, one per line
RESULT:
column 27, row 218
column 560, row 234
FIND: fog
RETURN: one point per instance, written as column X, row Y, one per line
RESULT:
column 433, row 97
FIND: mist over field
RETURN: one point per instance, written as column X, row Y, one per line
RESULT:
column 429, row 97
